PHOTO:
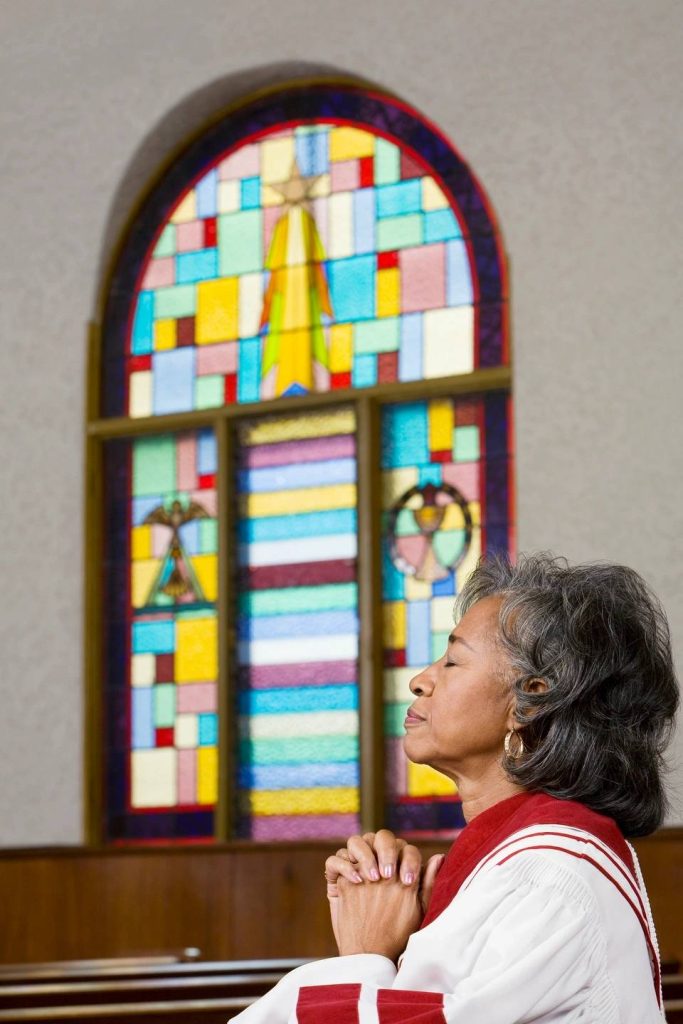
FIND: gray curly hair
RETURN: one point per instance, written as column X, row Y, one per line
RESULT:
column 599, row 639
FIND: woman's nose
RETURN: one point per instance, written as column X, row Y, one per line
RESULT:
column 422, row 684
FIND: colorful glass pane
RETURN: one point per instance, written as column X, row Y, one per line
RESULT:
column 298, row 627
column 446, row 470
column 319, row 257
column 167, row 537
column 323, row 240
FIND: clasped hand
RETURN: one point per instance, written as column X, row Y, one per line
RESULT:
column 378, row 893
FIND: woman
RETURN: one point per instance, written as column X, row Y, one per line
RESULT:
column 550, row 709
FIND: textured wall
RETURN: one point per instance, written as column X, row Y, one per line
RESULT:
column 568, row 110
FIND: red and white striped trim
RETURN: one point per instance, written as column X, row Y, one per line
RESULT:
column 345, row 1004
column 586, row 847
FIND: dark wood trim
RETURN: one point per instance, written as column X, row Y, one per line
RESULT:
column 226, row 631
column 494, row 379
column 92, row 604
column 668, row 834
column 371, row 761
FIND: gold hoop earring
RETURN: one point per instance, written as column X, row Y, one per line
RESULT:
column 507, row 745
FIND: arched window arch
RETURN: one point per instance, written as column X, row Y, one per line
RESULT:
column 303, row 434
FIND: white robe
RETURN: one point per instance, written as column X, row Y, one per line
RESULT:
column 550, row 928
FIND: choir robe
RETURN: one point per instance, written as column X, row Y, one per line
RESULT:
column 538, row 914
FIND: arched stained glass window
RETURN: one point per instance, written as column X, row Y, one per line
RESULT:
column 304, row 435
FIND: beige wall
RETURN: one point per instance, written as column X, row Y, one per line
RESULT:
column 569, row 112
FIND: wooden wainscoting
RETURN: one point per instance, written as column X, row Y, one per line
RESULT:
column 233, row 902
column 661, row 860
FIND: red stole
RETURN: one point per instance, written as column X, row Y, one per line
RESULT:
column 496, row 824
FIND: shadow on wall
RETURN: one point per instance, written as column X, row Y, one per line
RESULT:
column 179, row 125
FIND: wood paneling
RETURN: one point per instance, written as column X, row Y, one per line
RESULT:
column 661, row 860
column 238, row 901
column 231, row 902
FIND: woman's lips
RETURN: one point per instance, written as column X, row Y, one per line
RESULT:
column 412, row 718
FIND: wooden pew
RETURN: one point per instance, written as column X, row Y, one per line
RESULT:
column 183, row 1011
column 137, row 990
column 148, row 989
column 164, row 990
column 672, row 986
column 138, row 967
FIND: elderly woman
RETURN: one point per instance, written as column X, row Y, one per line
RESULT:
column 550, row 709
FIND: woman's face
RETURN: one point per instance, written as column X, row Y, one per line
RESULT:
column 463, row 706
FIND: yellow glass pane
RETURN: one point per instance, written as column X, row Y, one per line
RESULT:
column 277, row 158
column 206, row 570
column 290, row 428
column 217, row 311
column 165, row 336
column 454, row 520
column 305, row 499
column 441, row 425
column 341, row 348
column 141, row 542
column 316, row 800
column 395, row 482
column 425, row 781
column 207, row 775
column 394, row 624
column 196, row 658
column 389, row 292
column 417, row 590
column 350, row 143
column 142, row 576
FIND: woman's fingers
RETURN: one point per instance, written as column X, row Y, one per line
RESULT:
column 337, row 865
column 429, row 877
column 394, row 855
column 410, row 863
column 383, row 855
column 387, row 850
column 375, row 855
column 360, row 849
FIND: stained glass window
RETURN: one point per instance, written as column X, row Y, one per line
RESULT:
column 298, row 627
column 441, row 459
column 303, row 411
column 161, row 514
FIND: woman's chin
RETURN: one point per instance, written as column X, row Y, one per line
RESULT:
column 411, row 748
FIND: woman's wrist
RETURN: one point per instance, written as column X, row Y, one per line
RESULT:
column 356, row 950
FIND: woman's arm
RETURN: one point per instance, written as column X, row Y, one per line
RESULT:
column 278, row 1005
column 504, row 951
column 521, row 954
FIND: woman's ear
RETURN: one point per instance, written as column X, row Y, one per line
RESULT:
column 534, row 684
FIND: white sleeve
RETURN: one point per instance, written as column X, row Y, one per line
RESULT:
column 278, row 1005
